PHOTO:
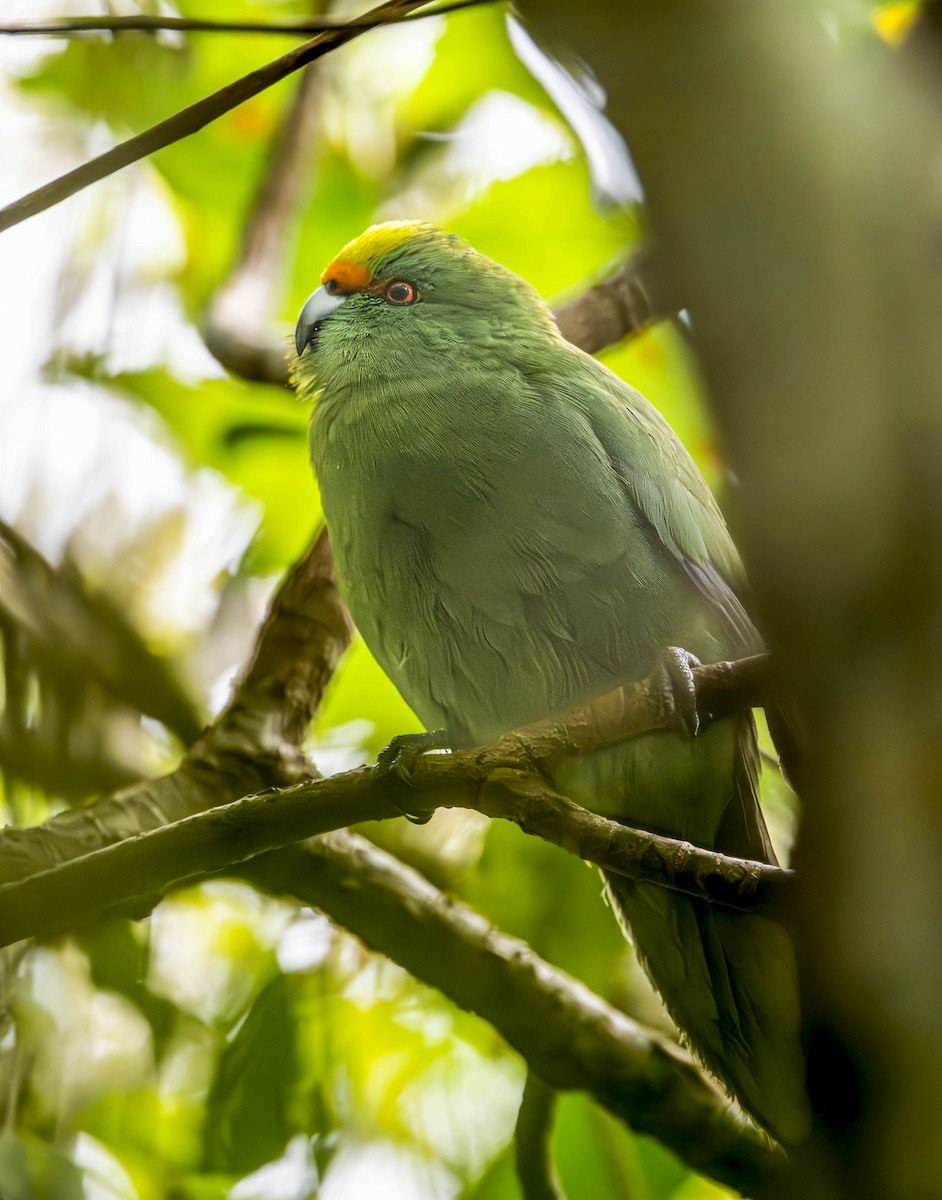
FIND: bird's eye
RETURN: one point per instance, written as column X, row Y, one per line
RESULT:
column 400, row 292
column 331, row 286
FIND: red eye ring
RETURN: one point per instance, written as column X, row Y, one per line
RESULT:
column 400, row 292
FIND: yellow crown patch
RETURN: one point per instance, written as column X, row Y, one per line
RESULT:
column 378, row 240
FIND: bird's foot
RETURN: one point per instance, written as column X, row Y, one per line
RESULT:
column 673, row 684
column 395, row 766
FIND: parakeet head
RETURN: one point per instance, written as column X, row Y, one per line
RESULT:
column 405, row 296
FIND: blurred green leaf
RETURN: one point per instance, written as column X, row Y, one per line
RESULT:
column 117, row 962
column 249, row 1112
column 598, row 1157
column 256, row 437
column 102, row 79
column 499, row 1181
column 544, row 225
column 201, row 1187
column 77, row 632
column 457, row 76
column 551, row 900
column 31, row 1169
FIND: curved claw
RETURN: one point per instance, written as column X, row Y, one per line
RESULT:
column 673, row 677
column 395, row 764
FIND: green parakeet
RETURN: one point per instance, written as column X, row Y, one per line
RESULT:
column 516, row 530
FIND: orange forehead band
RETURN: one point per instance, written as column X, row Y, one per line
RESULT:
column 348, row 276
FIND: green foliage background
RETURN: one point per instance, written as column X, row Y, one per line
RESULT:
column 178, row 1056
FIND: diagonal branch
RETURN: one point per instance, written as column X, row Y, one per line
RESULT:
column 252, row 745
column 569, row 1036
column 147, row 24
column 502, row 781
column 196, row 116
column 635, row 296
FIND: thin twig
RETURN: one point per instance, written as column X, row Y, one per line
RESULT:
column 196, row 116
column 145, row 24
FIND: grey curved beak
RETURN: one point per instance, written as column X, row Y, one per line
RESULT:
column 317, row 308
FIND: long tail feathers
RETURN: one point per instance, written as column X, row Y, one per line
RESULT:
column 729, row 983
column 728, row 980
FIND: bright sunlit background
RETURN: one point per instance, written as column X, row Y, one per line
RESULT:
column 233, row 1045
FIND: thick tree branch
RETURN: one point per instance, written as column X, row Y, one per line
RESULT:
column 634, row 297
column 194, row 117
column 252, row 745
column 570, row 1037
column 502, row 780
